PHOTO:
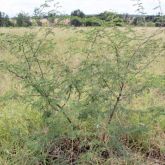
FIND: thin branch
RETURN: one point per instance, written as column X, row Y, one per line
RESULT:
column 116, row 103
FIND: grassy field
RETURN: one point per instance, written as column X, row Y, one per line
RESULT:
column 33, row 133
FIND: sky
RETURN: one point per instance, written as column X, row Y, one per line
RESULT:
column 13, row 7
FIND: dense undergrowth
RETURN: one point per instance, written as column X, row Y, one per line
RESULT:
column 82, row 96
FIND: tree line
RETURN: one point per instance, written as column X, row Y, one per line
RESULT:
column 78, row 18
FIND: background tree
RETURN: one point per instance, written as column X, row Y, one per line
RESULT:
column 4, row 20
column 77, row 18
column 78, row 13
column 23, row 20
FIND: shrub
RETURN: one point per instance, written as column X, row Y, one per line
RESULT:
column 76, row 22
column 111, row 19
column 92, row 21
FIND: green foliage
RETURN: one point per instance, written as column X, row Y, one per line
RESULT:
column 76, row 21
column 78, row 13
column 92, row 21
column 23, row 20
column 82, row 99
column 89, row 21
column 111, row 18
column 104, row 19
column 107, row 16
column 51, row 17
column 4, row 20
column 159, row 21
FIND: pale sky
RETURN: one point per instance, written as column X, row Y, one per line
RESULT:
column 13, row 7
